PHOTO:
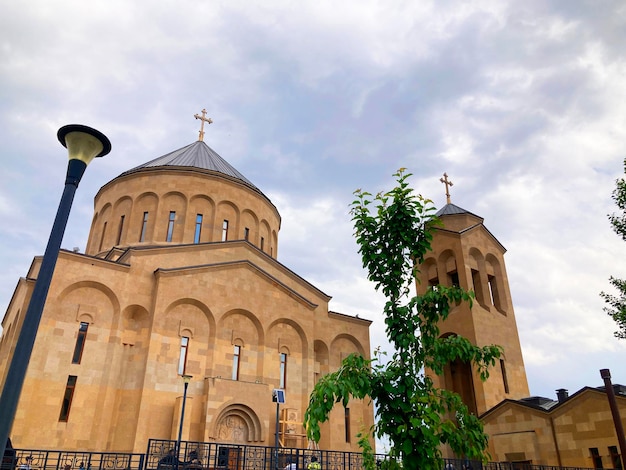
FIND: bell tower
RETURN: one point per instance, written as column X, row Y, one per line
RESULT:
column 465, row 253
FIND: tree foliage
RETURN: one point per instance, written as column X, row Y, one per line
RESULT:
column 394, row 232
column 617, row 303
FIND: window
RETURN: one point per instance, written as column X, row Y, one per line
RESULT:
column 170, row 226
column 144, row 227
column 283, row 371
column 347, row 423
column 595, row 457
column 493, row 292
column 182, row 359
column 196, row 234
column 119, row 232
column 67, row 398
column 236, row 360
column 615, row 459
column 505, row 380
column 453, row 279
column 225, row 230
column 80, row 343
column 477, row 287
column 246, row 233
column 262, row 243
column 104, row 230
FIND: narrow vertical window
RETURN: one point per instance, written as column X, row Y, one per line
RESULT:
column 283, row 371
column 236, row 361
column 104, row 231
column 182, row 359
column 595, row 456
column 347, row 423
column 262, row 243
column 453, row 279
column 144, row 227
column 196, row 234
column 225, row 230
column 246, row 233
column 478, row 289
column 119, row 231
column 80, row 343
column 170, row 226
column 505, row 380
column 67, row 398
column 615, row 459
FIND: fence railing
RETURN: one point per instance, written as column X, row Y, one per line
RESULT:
column 161, row 455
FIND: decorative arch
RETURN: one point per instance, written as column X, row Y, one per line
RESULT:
column 322, row 358
column 447, row 260
column 237, row 423
column 145, row 202
column 458, row 377
column 342, row 346
column 227, row 210
column 123, row 208
column 476, row 263
column 496, row 283
column 429, row 270
column 250, row 221
column 264, row 236
column 205, row 206
column 83, row 307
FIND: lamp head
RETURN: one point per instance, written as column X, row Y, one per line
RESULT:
column 187, row 378
column 83, row 143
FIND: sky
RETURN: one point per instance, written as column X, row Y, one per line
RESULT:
column 522, row 104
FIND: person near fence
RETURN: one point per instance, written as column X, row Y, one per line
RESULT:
column 27, row 465
column 314, row 464
column 290, row 464
column 169, row 461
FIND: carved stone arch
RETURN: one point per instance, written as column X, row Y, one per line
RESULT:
column 264, row 236
column 190, row 318
column 237, row 423
column 429, row 270
column 342, row 346
column 145, row 202
column 478, row 276
column 250, row 221
column 496, row 284
column 88, row 299
column 448, row 267
column 103, row 228
column 205, row 206
column 322, row 358
column 123, row 208
column 458, row 377
column 227, row 210
column 172, row 201
column 299, row 330
column 136, row 323
column 245, row 325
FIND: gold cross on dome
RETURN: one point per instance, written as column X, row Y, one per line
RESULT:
column 448, row 183
column 203, row 119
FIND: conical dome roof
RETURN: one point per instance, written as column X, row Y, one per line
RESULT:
column 196, row 155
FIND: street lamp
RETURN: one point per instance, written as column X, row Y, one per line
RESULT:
column 186, row 379
column 83, row 144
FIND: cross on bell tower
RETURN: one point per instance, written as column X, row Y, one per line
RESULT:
column 448, row 183
column 203, row 119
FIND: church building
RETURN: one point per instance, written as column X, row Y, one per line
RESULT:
column 572, row 431
column 180, row 278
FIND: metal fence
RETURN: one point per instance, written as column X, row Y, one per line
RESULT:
column 161, row 455
column 63, row 460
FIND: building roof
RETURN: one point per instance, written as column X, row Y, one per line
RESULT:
column 196, row 155
column 452, row 209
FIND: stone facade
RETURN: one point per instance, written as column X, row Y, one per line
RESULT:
column 576, row 432
column 180, row 276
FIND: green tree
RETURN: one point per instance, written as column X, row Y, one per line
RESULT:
column 394, row 232
column 617, row 303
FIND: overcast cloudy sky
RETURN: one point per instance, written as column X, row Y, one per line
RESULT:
column 523, row 104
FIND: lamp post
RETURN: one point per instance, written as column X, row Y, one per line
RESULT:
column 186, row 379
column 83, row 144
